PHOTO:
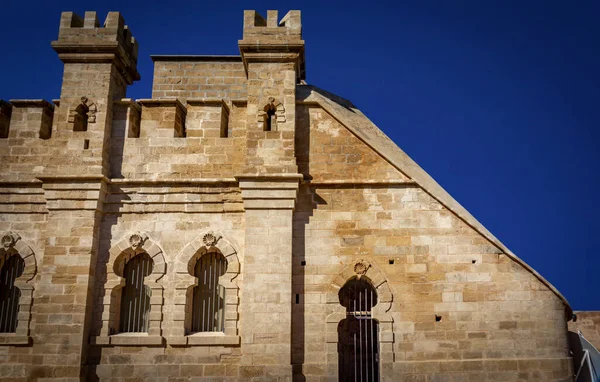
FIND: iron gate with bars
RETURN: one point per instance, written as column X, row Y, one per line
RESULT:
column 208, row 305
column 358, row 340
column 9, row 294
column 135, row 298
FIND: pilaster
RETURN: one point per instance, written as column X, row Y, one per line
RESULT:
column 266, row 310
column 63, row 306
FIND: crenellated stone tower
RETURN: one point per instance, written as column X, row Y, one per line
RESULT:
column 273, row 57
column 99, row 63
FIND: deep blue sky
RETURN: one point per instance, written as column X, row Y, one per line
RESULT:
column 498, row 100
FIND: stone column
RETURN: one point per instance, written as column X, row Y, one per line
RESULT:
column 266, row 310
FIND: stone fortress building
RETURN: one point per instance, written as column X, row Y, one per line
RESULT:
column 242, row 225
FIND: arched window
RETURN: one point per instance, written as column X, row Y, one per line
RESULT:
column 80, row 120
column 135, row 298
column 9, row 294
column 270, row 122
column 358, row 343
column 208, row 314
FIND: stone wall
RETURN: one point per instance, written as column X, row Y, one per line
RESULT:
column 199, row 77
column 162, row 175
column 589, row 324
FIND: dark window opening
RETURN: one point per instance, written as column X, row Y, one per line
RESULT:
column 297, row 298
column 303, row 263
column 224, row 122
column 473, row 261
column 9, row 294
column 86, row 144
column 135, row 298
column 391, row 261
column 208, row 314
column 438, row 318
column 80, row 120
column 270, row 119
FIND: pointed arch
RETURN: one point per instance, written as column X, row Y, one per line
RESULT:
column 13, row 245
column 207, row 242
column 119, row 254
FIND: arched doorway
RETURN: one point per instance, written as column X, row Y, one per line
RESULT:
column 358, row 339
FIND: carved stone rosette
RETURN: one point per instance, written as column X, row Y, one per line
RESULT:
column 360, row 268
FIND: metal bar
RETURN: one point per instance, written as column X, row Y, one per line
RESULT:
column 14, row 299
column 219, row 310
column 372, row 339
column 354, row 334
column 203, row 269
column 215, row 294
column 144, row 296
column 360, row 336
column 135, row 299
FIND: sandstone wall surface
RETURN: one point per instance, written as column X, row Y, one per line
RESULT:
column 588, row 322
column 199, row 79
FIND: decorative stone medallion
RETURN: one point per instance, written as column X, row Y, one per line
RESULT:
column 9, row 239
column 360, row 268
column 136, row 241
column 210, row 239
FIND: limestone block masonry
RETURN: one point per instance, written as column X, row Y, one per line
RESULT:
column 225, row 228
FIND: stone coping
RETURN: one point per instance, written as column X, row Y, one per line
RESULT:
column 31, row 103
column 143, row 339
column 161, row 102
column 204, row 339
column 128, row 339
column 192, row 57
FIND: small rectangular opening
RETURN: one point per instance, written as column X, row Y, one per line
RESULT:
column 391, row 261
column 303, row 263
column 224, row 121
column 297, row 298
column 86, row 144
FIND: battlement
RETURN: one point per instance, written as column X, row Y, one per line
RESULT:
column 84, row 40
column 257, row 27
column 270, row 40
column 22, row 118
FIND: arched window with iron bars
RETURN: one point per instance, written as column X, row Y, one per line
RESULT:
column 135, row 297
column 9, row 294
column 208, row 303
column 358, row 339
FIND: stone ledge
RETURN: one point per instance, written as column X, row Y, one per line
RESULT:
column 127, row 339
column 9, row 339
column 204, row 339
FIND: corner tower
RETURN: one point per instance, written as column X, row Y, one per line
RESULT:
column 100, row 62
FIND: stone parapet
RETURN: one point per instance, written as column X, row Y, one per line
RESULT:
column 32, row 118
column 163, row 117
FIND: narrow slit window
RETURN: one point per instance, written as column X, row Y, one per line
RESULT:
column 9, row 294
column 224, row 122
column 208, row 314
column 135, row 298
